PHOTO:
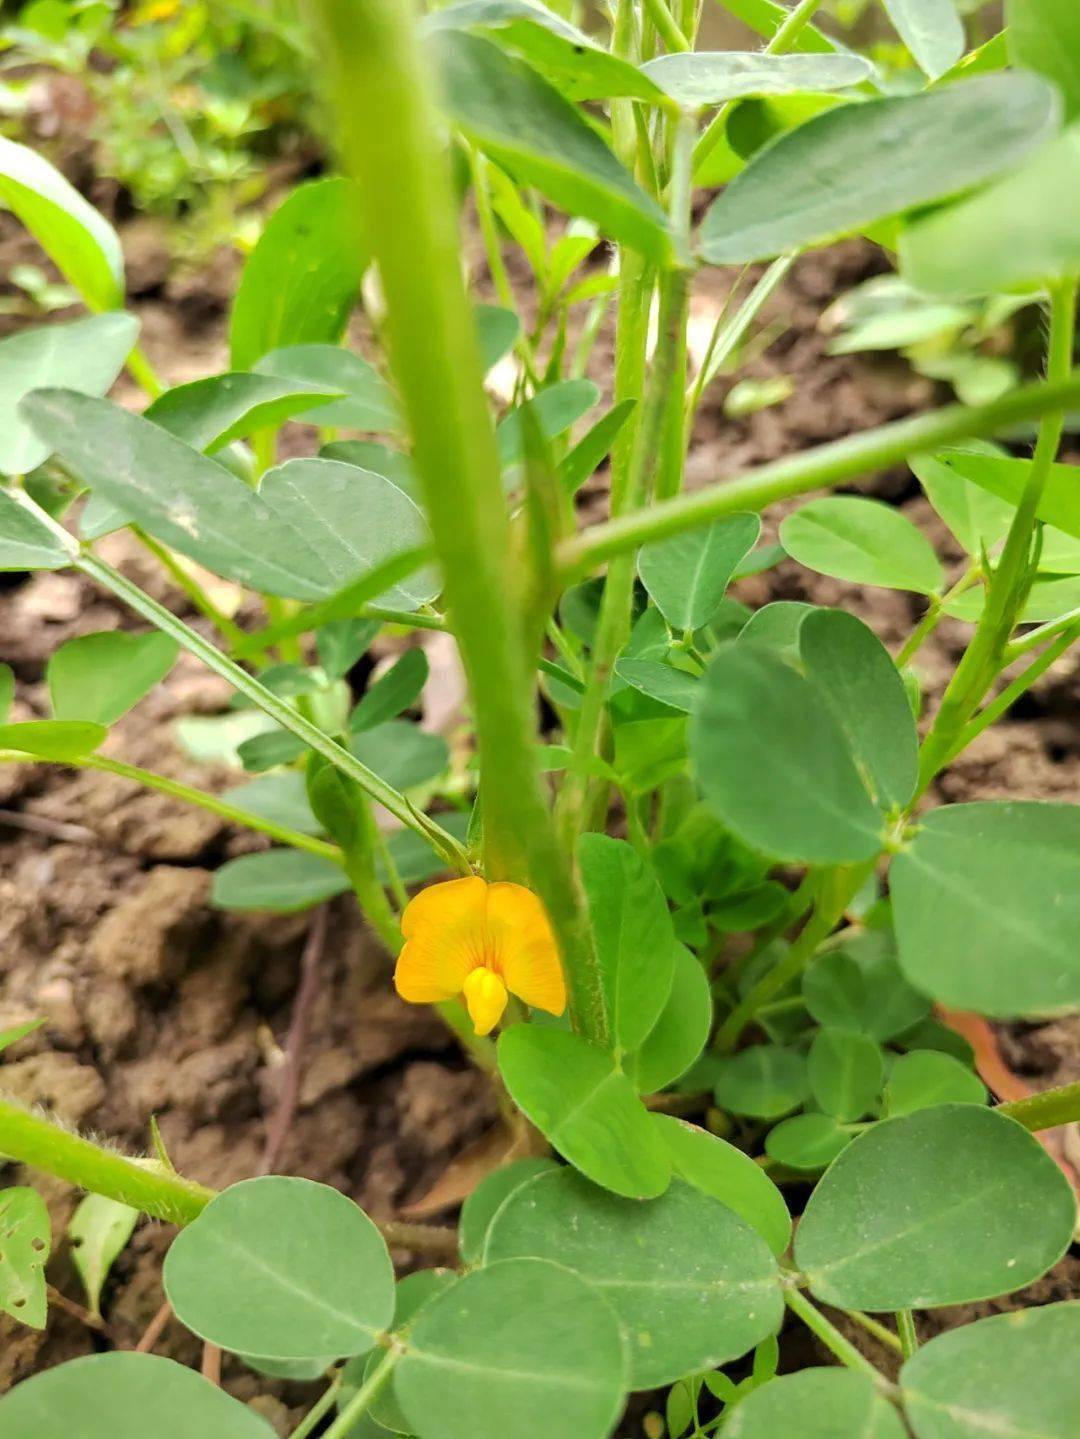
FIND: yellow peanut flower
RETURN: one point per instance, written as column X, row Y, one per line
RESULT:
column 484, row 942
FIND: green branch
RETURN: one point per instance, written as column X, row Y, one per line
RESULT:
column 822, row 467
column 1048, row 1110
column 389, row 141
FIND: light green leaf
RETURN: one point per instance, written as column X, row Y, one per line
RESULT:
column 594, row 447
column 577, row 67
column 585, row 1107
column 1044, row 35
column 680, row 1034
column 1021, row 231
column 846, row 1072
column 777, row 626
column 764, row 18
column 867, row 696
column 497, row 329
column 25, row 543
column 926, row 1077
column 7, row 691
column 1059, row 504
column 702, row 77
column 280, row 797
column 209, row 414
column 932, row 31
column 863, row 541
column 860, row 163
column 521, row 1347
column 54, row 739
column 482, row 1205
column 982, row 1210
column 24, row 1225
column 829, row 1403
column 401, row 753
column 552, row 411
column 109, row 1396
column 301, row 279
column 1000, row 881
column 687, row 576
column 281, row 881
column 11, row 1036
column 282, row 1268
column 774, row 764
column 84, row 355
column 729, row 1175
column 80, row 242
column 1013, row 1376
column 99, row 677
column 807, row 1141
column 217, row 738
column 763, row 1081
column 98, row 1233
column 675, row 688
column 977, row 518
column 693, row 1285
column 369, row 402
column 505, row 108
column 632, row 936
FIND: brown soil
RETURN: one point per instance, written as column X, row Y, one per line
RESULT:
column 157, row 1005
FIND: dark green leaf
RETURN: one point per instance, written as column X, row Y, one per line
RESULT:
column 671, row 687
column 482, row 1205
column 522, row 1347
column 859, row 986
column 924, row 1077
column 693, row 1285
column 679, row 1035
column 944, row 1206
column 774, row 764
column 632, row 936
column 594, row 447
column 729, row 1175
column 846, row 1072
column 856, row 164
column 1013, row 1376
column 763, row 1081
column 1000, row 883
column 549, row 413
column 585, row 1107
column 806, row 1141
column 401, row 753
column 282, row 1268
column 867, row 696
column 829, row 1403
column 396, row 690
column 301, row 279
column 506, row 109
column 498, row 329
column 110, row 1396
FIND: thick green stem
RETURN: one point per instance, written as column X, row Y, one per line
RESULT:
column 1046, row 1110
column 829, row 1335
column 142, row 1184
column 350, row 1416
column 275, row 707
column 822, row 467
column 1009, row 583
column 666, row 26
column 388, row 136
column 189, row 795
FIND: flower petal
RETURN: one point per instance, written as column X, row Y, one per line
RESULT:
column 444, row 940
column 524, row 947
column 485, row 997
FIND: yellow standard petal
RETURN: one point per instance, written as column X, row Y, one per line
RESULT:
column 444, row 940
column 524, row 947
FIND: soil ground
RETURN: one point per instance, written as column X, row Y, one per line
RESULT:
column 158, row 1005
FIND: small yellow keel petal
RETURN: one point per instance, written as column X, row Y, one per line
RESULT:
column 485, row 996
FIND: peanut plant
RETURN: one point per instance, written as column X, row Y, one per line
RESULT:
column 772, row 935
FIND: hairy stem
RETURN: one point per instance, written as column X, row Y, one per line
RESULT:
column 1046, row 1110
column 828, row 1333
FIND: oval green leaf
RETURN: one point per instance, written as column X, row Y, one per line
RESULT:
column 693, row 1285
column 1013, row 1376
column 110, row 1396
column 828, row 1402
column 99, row 677
column 774, row 764
column 687, row 576
column 209, row 414
column 680, row 1034
column 585, row 1107
column 716, row 1167
column 932, row 31
column 26, row 1236
column 863, row 541
column 60, row 740
column 1000, row 881
column 846, row 1072
column 281, row 881
column 488, row 1197
column 807, row 1141
column 856, row 164
column 521, row 1347
column 367, row 402
column 926, row 1077
column 944, row 1206
column 282, row 1268
column 763, row 1081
